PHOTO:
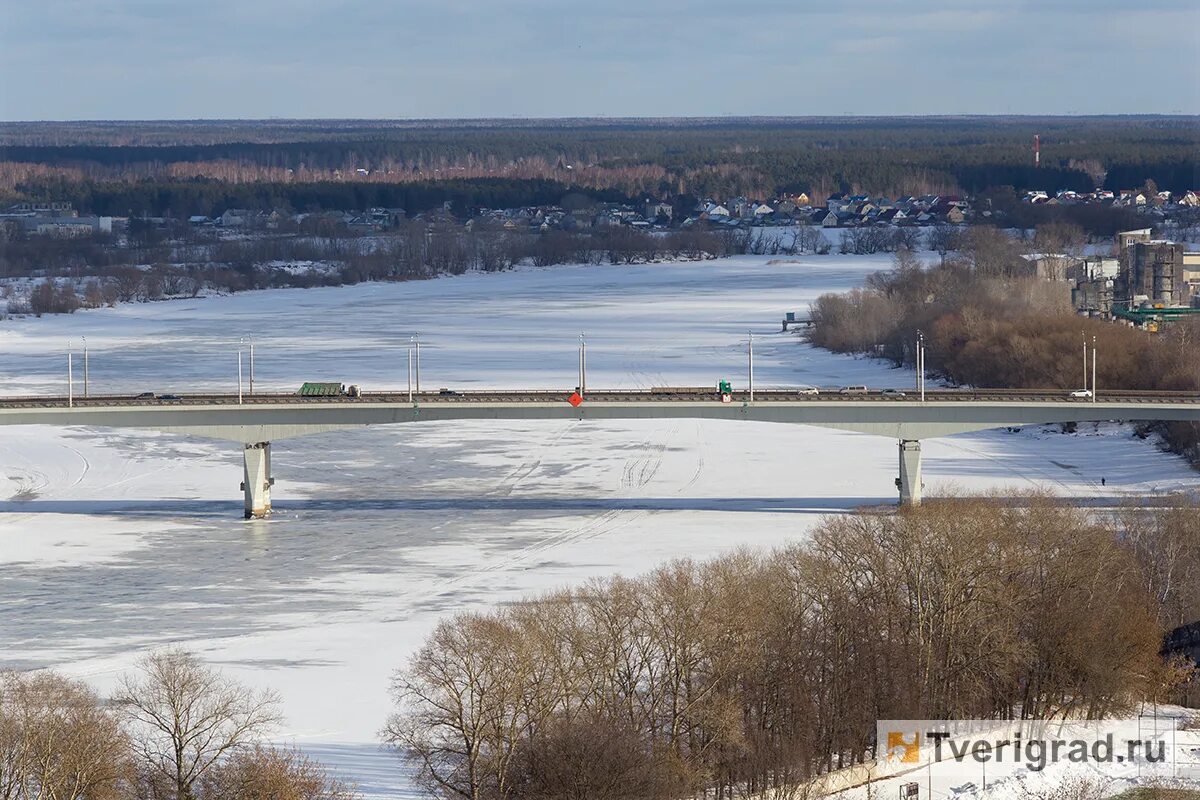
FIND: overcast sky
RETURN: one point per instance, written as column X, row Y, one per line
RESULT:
column 164, row 59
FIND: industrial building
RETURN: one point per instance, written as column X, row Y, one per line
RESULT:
column 1151, row 272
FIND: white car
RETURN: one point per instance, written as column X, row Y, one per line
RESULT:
column 808, row 390
column 1081, row 393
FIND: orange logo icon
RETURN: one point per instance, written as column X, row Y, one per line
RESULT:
column 904, row 747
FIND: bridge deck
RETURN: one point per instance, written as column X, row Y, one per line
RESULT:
column 257, row 420
column 607, row 396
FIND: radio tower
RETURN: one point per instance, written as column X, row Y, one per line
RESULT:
column 1037, row 150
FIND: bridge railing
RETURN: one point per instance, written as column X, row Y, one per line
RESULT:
column 658, row 394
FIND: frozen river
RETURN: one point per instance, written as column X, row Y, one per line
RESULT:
column 115, row 542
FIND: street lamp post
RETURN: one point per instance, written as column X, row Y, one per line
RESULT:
column 1093, row 369
column 921, row 363
column 917, row 359
column 1085, row 361
column 85, row 368
column 750, row 363
column 582, row 365
column 251, row 366
column 70, row 379
column 410, row 368
column 240, row 343
column 417, row 363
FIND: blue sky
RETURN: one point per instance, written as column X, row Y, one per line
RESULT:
column 166, row 59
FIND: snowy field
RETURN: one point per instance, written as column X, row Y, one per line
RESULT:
column 116, row 542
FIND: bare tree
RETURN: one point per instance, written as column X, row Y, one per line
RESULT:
column 93, row 294
column 808, row 238
column 266, row 773
column 58, row 742
column 127, row 282
column 1060, row 237
column 944, row 238
column 185, row 716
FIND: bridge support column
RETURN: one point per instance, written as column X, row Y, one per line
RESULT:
column 257, row 482
column 909, row 482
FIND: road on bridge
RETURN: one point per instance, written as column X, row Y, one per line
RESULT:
column 652, row 395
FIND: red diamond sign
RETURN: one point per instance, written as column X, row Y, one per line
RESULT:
column 576, row 399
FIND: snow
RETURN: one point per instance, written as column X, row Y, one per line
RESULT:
column 116, row 542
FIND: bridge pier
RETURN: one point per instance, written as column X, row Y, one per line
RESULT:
column 257, row 482
column 909, row 482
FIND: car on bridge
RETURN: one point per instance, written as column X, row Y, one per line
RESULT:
column 853, row 390
column 896, row 393
column 1081, row 393
column 808, row 390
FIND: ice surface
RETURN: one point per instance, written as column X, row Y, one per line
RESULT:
column 115, row 542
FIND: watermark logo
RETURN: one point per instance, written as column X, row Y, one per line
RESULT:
column 1033, row 744
column 903, row 747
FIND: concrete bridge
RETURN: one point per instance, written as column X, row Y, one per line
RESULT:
column 254, row 421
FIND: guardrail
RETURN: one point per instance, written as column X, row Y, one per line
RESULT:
column 677, row 395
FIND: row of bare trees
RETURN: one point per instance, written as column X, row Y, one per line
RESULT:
column 870, row 239
column 757, row 672
column 175, row 729
column 416, row 250
column 117, row 284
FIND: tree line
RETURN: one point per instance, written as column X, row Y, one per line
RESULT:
column 175, row 729
column 988, row 321
column 91, row 273
column 758, row 672
column 663, row 159
column 211, row 197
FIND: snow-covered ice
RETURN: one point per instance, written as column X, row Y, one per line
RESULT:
column 115, row 542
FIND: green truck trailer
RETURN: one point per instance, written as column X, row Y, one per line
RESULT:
column 321, row 389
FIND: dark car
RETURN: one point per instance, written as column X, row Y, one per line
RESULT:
column 169, row 397
column 447, row 393
column 145, row 396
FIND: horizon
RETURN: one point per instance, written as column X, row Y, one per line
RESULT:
column 615, row 119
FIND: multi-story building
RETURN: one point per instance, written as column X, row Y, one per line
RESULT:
column 1151, row 271
column 1125, row 239
column 1191, row 276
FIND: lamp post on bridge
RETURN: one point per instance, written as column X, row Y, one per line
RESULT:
column 921, row 364
column 417, row 362
column 251, row 365
column 1093, row 368
column 241, row 342
column 85, row 367
column 411, row 339
column 1085, row 360
column 70, row 378
column 582, row 365
column 750, row 363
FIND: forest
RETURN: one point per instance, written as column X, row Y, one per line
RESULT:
column 754, row 673
column 211, row 196
column 123, row 168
